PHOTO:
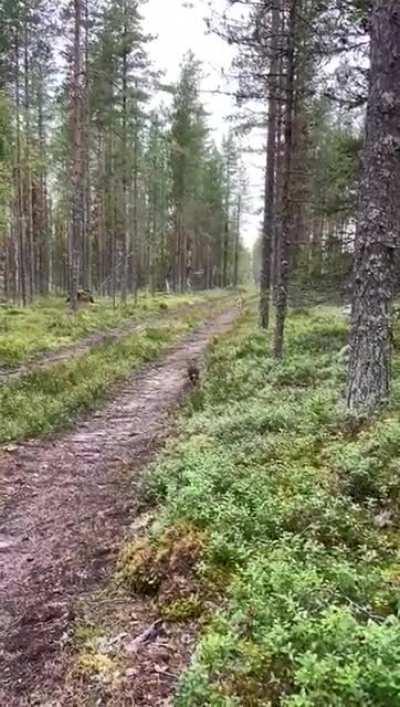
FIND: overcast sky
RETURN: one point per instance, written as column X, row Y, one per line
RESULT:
column 178, row 29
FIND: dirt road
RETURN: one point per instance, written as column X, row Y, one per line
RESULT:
column 83, row 346
column 68, row 502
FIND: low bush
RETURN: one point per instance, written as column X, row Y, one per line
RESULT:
column 48, row 324
column 288, row 491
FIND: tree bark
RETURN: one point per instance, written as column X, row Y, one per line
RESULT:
column 43, row 275
column 134, row 247
column 19, row 210
column 279, row 160
column 30, row 255
column 125, row 207
column 226, row 252
column 87, row 228
column 237, row 243
column 283, row 280
column 77, row 161
column 379, row 219
column 269, row 195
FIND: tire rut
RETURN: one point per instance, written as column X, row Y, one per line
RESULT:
column 83, row 346
column 68, row 502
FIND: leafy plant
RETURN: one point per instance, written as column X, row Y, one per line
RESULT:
column 287, row 492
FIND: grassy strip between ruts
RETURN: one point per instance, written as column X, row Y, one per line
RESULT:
column 26, row 333
column 282, row 513
column 47, row 400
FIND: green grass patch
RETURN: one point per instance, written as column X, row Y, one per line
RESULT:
column 48, row 325
column 49, row 399
column 289, row 493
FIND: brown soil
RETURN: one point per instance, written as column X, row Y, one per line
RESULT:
column 68, row 502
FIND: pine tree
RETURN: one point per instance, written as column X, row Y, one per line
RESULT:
column 94, row 192
column 156, row 160
column 188, row 135
column 378, row 225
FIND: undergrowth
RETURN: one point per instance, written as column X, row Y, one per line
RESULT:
column 48, row 325
column 298, row 508
column 49, row 399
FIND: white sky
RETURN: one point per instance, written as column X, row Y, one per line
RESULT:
column 178, row 29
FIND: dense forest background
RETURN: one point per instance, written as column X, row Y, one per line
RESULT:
column 101, row 185
column 256, row 526
column 110, row 179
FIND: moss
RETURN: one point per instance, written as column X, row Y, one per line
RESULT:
column 182, row 610
column 142, row 568
column 90, row 664
column 86, row 633
column 146, row 564
column 215, row 577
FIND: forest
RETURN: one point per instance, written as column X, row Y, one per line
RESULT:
column 102, row 186
column 199, row 353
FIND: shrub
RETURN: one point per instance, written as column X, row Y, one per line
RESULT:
column 146, row 564
column 286, row 490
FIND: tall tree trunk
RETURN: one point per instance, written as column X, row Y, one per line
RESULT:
column 10, row 283
column 269, row 195
column 77, row 161
column 279, row 165
column 225, row 254
column 29, row 246
column 43, row 206
column 125, row 202
column 178, row 249
column 134, row 248
column 379, row 218
column 237, row 243
column 87, row 234
column 19, row 210
column 283, row 280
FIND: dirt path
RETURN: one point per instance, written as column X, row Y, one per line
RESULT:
column 77, row 350
column 98, row 338
column 68, row 502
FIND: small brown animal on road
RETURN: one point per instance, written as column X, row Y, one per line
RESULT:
column 193, row 373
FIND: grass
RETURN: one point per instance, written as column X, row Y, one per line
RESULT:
column 297, row 505
column 26, row 333
column 47, row 400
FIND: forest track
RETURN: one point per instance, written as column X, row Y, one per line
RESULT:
column 100, row 337
column 68, row 502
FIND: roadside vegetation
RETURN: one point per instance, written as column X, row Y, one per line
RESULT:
column 280, row 528
column 274, row 557
column 48, row 399
column 48, row 325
